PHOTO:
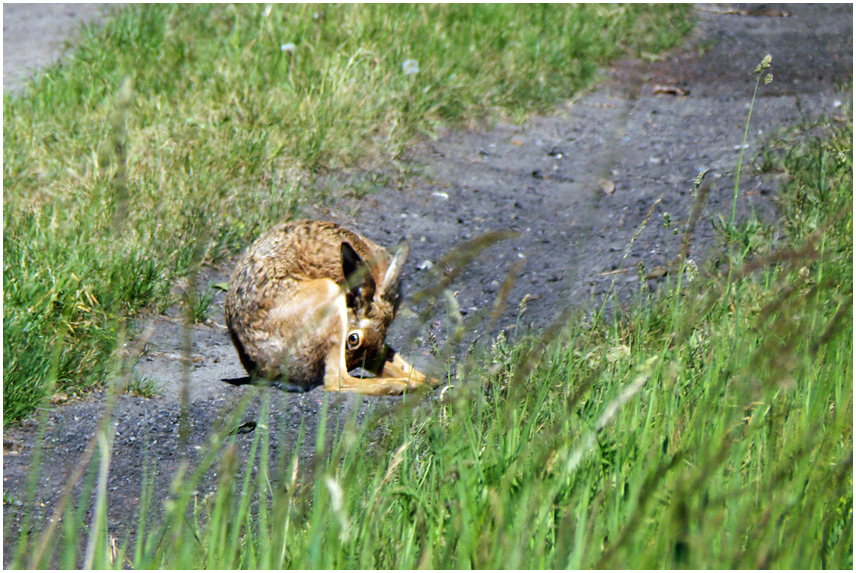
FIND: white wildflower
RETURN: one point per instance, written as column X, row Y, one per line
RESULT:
column 410, row 67
column 692, row 270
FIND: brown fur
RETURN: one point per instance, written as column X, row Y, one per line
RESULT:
column 291, row 310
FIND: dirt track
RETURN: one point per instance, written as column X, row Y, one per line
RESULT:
column 545, row 180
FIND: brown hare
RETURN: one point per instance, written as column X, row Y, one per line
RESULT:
column 310, row 301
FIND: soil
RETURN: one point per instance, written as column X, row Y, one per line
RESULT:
column 576, row 186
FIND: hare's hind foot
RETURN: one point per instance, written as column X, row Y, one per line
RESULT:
column 400, row 368
column 369, row 386
column 396, row 378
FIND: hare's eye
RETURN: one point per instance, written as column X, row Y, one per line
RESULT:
column 355, row 338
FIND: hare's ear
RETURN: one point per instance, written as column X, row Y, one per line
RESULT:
column 389, row 286
column 359, row 283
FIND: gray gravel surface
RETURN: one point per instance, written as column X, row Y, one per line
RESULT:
column 546, row 179
column 36, row 35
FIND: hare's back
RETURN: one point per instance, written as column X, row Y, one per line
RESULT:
column 296, row 252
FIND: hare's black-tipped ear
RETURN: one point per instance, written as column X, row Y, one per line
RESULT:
column 389, row 286
column 359, row 283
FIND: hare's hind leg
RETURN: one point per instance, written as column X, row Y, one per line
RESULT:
column 299, row 332
column 398, row 367
column 337, row 379
column 338, row 382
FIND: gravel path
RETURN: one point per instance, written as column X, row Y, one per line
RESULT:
column 576, row 185
column 36, row 35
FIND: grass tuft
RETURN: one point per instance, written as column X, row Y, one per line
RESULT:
column 709, row 426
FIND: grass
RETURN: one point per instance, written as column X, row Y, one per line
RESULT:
column 174, row 135
column 709, row 426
